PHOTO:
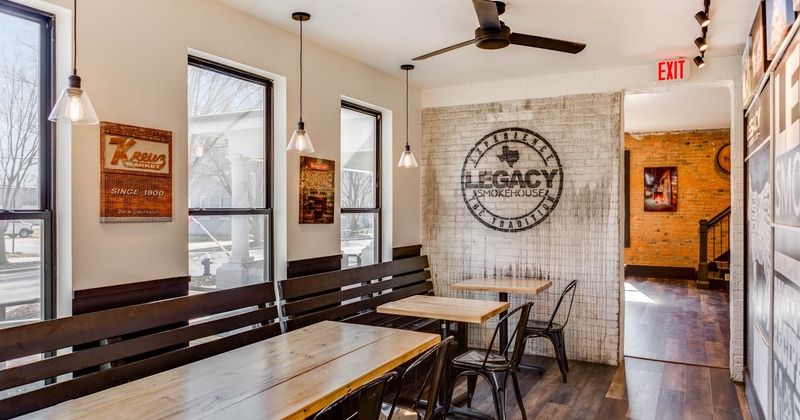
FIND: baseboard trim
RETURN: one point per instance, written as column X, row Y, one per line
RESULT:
column 664, row 272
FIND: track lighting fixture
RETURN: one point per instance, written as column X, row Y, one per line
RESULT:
column 702, row 19
column 698, row 61
column 701, row 43
column 702, row 16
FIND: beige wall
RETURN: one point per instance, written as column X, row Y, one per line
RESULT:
column 132, row 59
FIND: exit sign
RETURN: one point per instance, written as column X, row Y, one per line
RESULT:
column 671, row 70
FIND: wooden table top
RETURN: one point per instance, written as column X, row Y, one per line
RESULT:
column 450, row 309
column 526, row 286
column 289, row 376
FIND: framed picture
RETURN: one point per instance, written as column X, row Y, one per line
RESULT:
column 797, row 5
column 748, row 84
column 316, row 190
column 779, row 16
column 758, row 57
column 135, row 174
column 661, row 189
column 758, row 120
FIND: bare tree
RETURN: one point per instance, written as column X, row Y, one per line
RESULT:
column 357, row 192
column 19, row 130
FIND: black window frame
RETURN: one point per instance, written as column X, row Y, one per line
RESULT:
column 268, row 208
column 46, row 210
column 378, row 208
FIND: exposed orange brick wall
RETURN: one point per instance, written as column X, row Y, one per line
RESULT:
column 671, row 238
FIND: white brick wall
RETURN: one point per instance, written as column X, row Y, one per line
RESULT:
column 579, row 240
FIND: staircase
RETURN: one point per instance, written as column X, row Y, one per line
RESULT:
column 715, row 242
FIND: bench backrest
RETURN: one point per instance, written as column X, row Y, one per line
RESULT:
column 221, row 321
column 338, row 295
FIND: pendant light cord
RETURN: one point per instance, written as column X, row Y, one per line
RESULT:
column 301, row 70
column 406, row 107
column 74, row 37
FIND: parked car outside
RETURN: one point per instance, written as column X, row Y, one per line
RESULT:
column 19, row 228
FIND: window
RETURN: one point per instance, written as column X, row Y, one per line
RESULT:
column 360, row 185
column 230, row 133
column 27, row 280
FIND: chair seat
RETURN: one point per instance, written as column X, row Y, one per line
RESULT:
column 474, row 359
column 541, row 326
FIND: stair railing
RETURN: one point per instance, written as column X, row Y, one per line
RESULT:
column 714, row 234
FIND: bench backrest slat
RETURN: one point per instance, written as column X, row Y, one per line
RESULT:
column 71, row 362
column 41, row 337
column 302, row 286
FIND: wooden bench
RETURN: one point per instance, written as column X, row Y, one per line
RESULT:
column 351, row 295
column 222, row 321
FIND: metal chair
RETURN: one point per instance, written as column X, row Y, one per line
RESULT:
column 554, row 331
column 432, row 363
column 363, row 403
column 495, row 368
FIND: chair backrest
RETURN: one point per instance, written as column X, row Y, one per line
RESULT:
column 516, row 338
column 435, row 360
column 363, row 403
column 569, row 290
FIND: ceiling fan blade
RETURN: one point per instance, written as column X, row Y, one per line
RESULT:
column 547, row 43
column 444, row 50
column 487, row 15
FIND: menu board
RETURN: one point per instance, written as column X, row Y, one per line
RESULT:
column 759, row 268
column 787, row 137
column 786, row 340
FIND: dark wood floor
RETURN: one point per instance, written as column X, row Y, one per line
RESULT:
column 641, row 389
column 673, row 320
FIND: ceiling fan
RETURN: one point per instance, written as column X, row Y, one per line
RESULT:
column 493, row 34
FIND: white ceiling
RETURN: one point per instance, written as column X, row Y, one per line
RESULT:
column 688, row 109
column 387, row 33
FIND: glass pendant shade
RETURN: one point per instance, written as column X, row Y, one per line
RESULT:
column 300, row 141
column 407, row 159
column 74, row 107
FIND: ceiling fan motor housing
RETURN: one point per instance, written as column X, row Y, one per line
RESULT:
column 490, row 40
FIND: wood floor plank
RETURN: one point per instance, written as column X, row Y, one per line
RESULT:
column 670, row 405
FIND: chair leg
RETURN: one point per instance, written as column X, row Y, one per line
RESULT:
column 518, row 394
column 558, row 346
column 499, row 395
column 472, row 382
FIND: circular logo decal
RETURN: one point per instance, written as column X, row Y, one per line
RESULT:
column 512, row 179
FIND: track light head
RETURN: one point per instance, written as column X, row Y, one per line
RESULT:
column 701, row 43
column 702, row 18
column 698, row 61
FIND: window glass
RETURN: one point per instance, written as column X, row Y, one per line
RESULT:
column 229, row 193
column 360, row 201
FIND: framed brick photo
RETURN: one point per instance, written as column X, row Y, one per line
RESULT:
column 135, row 174
column 661, row 189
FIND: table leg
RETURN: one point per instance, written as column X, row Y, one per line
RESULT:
column 503, row 297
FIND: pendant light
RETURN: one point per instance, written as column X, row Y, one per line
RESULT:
column 407, row 158
column 74, row 106
column 300, row 141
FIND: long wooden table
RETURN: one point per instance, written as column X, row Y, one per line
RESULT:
column 289, row 376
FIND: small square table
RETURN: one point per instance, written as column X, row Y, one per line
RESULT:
column 503, row 287
column 444, row 308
